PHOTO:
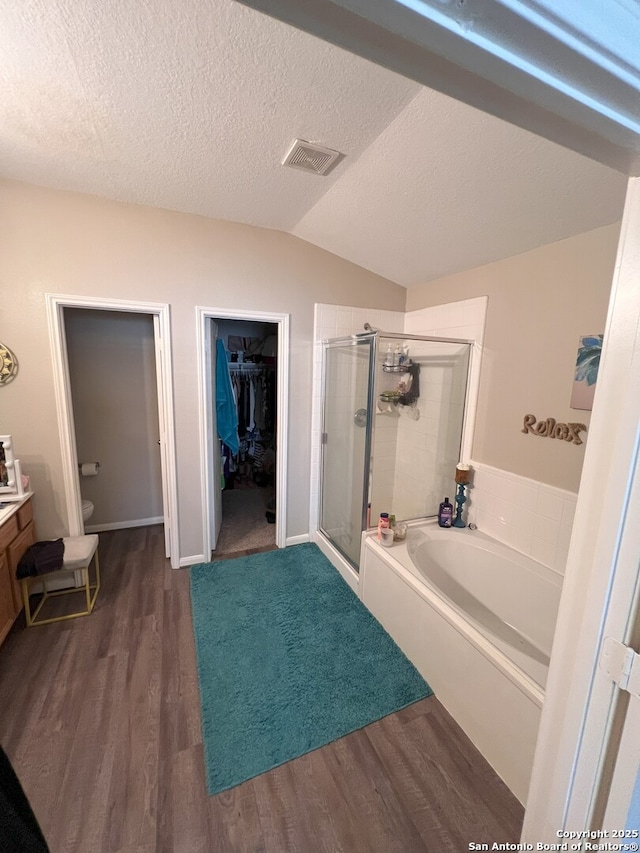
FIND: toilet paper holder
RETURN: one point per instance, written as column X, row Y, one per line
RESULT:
column 81, row 465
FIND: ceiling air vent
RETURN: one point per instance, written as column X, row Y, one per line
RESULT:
column 311, row 157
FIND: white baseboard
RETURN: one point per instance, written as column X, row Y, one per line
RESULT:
column 121, row 525
column 191, row 561
column 297, row 540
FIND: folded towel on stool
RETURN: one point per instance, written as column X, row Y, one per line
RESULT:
column 40, row 559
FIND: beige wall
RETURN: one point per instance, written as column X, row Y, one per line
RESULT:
column 540, row 303
column 54, row 242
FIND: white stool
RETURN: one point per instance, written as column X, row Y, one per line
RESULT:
column 79, row 552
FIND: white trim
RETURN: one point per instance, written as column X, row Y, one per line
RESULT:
column 471, row 399
column 282, row 417
column 206, row 499
column 192, row 561
column 64, row 412
column 122, row 525
column 56, row 303
column 161, row 370
column 297, row 540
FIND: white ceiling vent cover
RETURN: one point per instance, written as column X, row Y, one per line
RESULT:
column 311, row 157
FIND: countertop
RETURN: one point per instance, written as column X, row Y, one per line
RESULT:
column 10, row 507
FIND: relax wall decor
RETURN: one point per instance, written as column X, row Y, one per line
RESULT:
column 553, row 429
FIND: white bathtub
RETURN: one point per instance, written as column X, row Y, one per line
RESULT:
column 509, row 597
column 477, row 619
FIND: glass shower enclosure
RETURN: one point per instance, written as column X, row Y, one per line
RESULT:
column 393, row 420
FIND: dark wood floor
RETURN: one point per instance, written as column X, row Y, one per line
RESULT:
column 100, row 717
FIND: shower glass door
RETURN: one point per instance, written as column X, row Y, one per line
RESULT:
column 346, row 438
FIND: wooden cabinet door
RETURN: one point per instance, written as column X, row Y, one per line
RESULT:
column 8, row 610
column 15, row 550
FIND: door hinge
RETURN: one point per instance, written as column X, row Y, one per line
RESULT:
column 323, row 438
column 621, row 664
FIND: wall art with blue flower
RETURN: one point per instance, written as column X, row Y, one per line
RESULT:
column 586, row 375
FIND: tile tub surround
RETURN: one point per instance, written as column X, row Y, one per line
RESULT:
column 532, row 517
column 462, row 319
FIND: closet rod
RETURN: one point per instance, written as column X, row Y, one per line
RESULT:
column 243, row 366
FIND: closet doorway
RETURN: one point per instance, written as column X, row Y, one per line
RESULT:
column 243, row 361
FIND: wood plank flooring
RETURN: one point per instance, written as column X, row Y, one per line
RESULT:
column 100, row 717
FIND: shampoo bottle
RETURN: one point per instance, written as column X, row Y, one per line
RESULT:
column 445, row 513
column 383, row 524
column 388, row 359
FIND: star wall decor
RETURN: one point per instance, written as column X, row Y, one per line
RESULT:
column 8, row 365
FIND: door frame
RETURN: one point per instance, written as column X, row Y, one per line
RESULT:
column 56, row 303
column 214, row 466
column 203, row 315
column 577, row 740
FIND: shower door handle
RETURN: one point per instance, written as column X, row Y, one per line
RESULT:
column 360, row 418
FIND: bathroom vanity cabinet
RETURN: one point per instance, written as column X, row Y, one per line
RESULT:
column 17, row 533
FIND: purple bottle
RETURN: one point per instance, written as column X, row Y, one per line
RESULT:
column 445, row 513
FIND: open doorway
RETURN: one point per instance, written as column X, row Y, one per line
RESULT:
column 113, row 382
column 243, row 361
column 249, row 350
column 163, row 433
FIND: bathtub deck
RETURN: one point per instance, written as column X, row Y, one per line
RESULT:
column 135, row 780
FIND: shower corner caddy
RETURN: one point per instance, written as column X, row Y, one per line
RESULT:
column 397, row 399
column 397, row 368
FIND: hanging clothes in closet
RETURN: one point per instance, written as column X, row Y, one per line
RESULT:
column 226, row 402
column 255, row 392
column 254, row 387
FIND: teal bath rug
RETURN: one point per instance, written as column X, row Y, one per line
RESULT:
column 289, row 659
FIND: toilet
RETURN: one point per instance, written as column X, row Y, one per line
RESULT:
column 87, row 510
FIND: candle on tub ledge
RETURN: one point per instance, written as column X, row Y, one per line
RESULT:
column 463, row 473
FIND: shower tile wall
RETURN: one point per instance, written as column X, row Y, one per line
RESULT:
column 422, row 444
column 532, row 517
column 428, row 449
column 462, row 319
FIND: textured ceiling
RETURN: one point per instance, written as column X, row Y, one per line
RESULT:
column 191, row 105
